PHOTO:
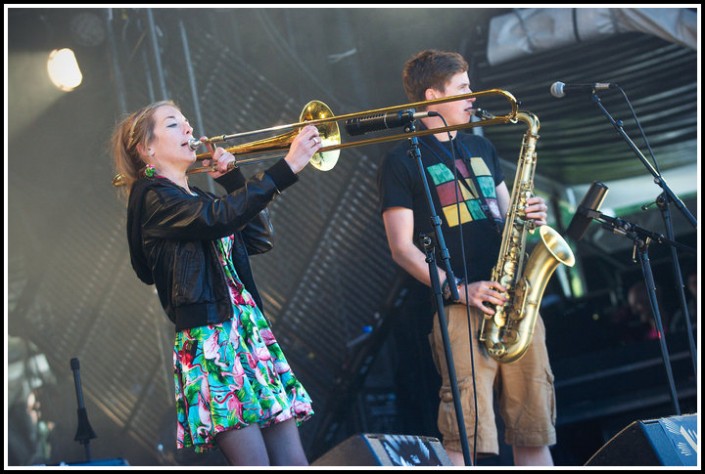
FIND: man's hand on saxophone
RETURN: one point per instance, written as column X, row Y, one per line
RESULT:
column 536, row 210
column 482, row 293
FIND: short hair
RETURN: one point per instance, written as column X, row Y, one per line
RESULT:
column 430, row 68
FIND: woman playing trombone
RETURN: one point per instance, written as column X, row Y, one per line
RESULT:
column 234, row 388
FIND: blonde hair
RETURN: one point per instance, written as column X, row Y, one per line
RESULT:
column 136, row 128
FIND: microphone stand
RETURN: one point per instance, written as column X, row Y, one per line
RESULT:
column 658, row 179
column 415, row 153
column 662, row 201
column 642, row 238
column 84, row 433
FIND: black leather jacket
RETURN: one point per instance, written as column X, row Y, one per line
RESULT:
column 172, row 234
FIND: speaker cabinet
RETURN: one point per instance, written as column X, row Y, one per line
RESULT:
column 668, row 441
column 386, row 450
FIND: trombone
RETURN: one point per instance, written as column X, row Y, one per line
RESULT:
column 319, row 114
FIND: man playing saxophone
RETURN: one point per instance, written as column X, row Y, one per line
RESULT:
column 471, row 198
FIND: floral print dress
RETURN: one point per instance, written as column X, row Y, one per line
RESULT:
column 231, row 375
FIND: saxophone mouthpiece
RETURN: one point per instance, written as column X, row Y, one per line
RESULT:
column 483, row 114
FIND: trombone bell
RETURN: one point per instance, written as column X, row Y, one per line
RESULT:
column 329, row 133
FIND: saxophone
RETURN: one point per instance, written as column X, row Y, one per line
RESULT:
column 507, row 333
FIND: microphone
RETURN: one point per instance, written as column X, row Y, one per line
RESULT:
column 587, row 210
column 559, row 89
column 373, row 123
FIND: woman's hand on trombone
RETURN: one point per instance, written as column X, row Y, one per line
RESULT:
column 303, row 147
column 222, row 161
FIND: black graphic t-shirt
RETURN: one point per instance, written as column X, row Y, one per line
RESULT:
column 467, row 206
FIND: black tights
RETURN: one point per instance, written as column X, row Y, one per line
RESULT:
column 277, row 445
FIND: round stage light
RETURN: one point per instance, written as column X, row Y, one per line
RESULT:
column 63, row 69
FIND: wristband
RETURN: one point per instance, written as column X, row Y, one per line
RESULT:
column 445, row 288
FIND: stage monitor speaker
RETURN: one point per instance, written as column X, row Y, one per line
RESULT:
column 386, row 450
column 671, row 441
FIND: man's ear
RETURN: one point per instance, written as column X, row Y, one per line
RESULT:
column 430, row 94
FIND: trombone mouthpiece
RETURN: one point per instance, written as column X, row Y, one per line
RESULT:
column 194, row 144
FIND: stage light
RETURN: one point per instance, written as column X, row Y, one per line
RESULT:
column 63, row 69
column 87, row 29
